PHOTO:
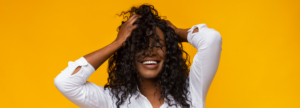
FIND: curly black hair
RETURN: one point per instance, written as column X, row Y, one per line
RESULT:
column 123, row 75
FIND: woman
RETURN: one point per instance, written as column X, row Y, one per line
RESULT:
column 147, row 66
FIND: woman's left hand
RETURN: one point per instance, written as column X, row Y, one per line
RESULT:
column 182, row 33
column 172, row 26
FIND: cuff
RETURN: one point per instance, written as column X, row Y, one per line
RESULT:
column 86, row 70
column 191, row 35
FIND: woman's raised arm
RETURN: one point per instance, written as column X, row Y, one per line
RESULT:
column 98, row 57
column 205, row 64
column 71, row 82
column 208, row 42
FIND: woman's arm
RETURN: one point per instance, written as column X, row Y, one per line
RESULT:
column 205, row 64
column 71, row 82
column 98, row 57
column 208, row 42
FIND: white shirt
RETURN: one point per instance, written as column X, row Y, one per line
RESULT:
column 86, row 94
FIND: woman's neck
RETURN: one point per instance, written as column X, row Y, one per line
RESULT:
column 147, row 88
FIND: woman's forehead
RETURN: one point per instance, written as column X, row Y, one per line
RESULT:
column 160, row 33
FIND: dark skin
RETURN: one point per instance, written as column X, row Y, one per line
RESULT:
column 98, row 57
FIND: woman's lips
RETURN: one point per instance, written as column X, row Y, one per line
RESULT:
column 151, row 66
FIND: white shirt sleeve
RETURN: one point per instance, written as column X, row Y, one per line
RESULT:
column 78, row 90
column 208, row 42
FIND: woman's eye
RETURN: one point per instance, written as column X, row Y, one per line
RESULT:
column 159, row 46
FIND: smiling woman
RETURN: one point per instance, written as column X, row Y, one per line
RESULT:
column 148, row 67
column 153, row 40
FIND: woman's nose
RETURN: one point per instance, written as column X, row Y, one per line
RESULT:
column 151, row 51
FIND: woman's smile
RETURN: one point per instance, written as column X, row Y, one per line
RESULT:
column 150, row 64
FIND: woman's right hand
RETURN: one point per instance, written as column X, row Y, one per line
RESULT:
column 127, row 28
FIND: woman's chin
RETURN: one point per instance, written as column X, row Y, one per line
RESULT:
column 149, row 75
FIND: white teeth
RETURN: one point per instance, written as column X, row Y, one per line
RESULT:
column 149, row 62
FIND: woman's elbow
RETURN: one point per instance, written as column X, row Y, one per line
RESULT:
column 59, row 83
column 215, row 36
column 211, row 38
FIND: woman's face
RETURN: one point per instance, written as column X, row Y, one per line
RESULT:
column 150, row 66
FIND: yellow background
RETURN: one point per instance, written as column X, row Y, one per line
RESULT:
column 259, row 65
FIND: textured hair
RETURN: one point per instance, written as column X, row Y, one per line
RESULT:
column 123, row 74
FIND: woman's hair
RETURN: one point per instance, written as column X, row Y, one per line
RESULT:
column 123, row 74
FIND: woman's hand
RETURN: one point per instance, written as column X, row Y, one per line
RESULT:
column 182, row 33
column 172, row 26
column 127, row 28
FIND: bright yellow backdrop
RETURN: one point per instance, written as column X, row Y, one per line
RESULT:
column 258, row 67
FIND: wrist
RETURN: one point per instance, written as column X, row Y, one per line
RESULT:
column 182, row 33
column 118, row 43
column 177, row 31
